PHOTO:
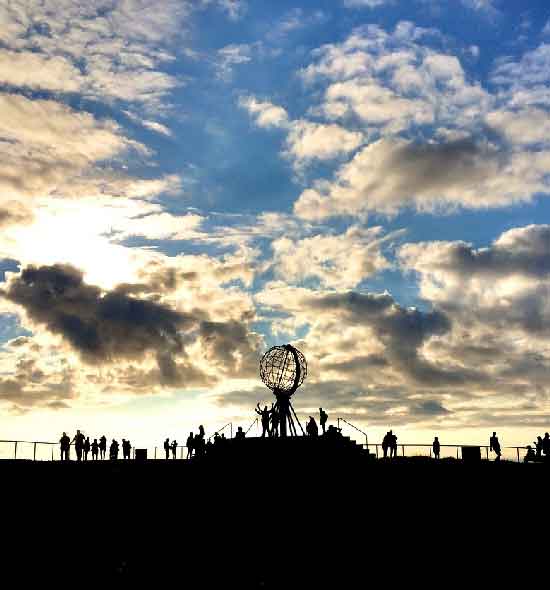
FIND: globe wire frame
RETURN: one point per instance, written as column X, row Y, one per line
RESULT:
column 283, row 369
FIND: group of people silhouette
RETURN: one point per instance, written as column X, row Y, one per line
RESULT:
column 389, row 443
column 270, row 421
column 541, row 450
column 197, row 445
column 98, row 448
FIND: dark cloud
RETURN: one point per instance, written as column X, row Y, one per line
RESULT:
column 106, row 326
column 524, row 251
column 427, row 168
column 402, row 330
column 429, row 408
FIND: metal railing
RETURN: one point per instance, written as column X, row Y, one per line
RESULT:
column 255, row 421
column 487, row 449
column 46, row 450
column 356, row 428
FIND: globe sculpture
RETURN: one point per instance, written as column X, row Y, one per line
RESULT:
column 283, row 369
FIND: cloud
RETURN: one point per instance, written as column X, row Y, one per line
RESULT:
column 47, row 148
column 366, row 3
column 528, row 126
column 338, row 261
column 306, row 140
column 309, row 141
column 265, row 113
column 486, row 7
column 231, row 56
column 14, row 213
column 524, row 82
column 393, row 173
column 107, row 327
column 104, row 50
column 394, row 81
column 36, row 71
column 503, row 287
column 235, row 9
column 521, row 251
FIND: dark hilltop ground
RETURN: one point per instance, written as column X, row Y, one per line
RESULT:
column 270, row 514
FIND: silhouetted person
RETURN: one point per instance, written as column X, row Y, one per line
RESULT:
column 546, row 445
column 274, row 422
column 436, row 447
column 323, row 417
column 199, row 445
column 78, row 444
column 86, row 448
column 65, row 445
column 538, row 447
column 174, row 447
column 240, row 434
column 126, row 448
column 494, row 445
column 393, row 445
column 201, row 431
column 530, row 455
column 95, row 449
column 167, row 448
column 113, row 450
column 102, row 447
column 189, row 444
column 311, row 427
column 265, row 415
column 386, row 444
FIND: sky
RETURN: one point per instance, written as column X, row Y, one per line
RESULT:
column 184, row 184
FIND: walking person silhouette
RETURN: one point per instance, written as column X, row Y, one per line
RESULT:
column 494, row 445
column 174, row 447
column 436, row 447
column 265, row 415
column 102, row 447
column 167, row 448
column 65, row 446
column 323, row 417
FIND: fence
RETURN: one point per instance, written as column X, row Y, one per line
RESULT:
column 49, row 451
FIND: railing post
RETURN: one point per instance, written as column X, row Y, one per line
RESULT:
column 403, row 450
column 338, row 422
column 376, row 450
column 457, row 452
column 155, row 452
column 487, row 453
column 15, row 451
column 231, row 429
column 517, row 450
column 34, row 452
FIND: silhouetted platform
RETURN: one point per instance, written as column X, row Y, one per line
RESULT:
column 273, row 514
column 291, row 450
